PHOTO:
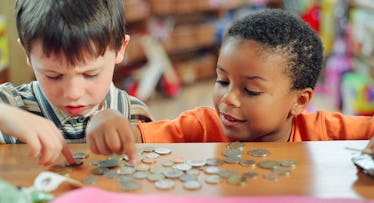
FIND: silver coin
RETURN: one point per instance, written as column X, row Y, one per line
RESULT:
column 288, row 163
column 110, row 174
column 77, row 162
column 109, row 163
column 155, row 177
column 142, row 167
column 212, row 179
column 269, row 164
column 211, row 170
column 148, row 149
column 182, row 167
column 168, row 163
column 173, row 173
column 123, row 179
column 192, row 185
column 126, row 170
column 140, row 175
column 259, row 152
column 158, row 169
column 233, row 153
column 193, row 171
column 187, row 177
column 247, row 163
column 99, row 171
column 80, row 155
column 214, row 162
column 282, row 170
column 196, row 163
column 235, row 180
column 236, row 145
column 162, row 150
column 129, row 186
column 231, row 160
column 152, row 155
column 250, row 175
column 164, row 184
column 227, row 173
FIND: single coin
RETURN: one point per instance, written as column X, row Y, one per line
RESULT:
column 250, row 175
column 193, row 171
column 152, row 155
column 142, row 167
column 109, row 163
column 212, row 179
column 110, row 174
column 233, row 153
column 182, row 167
column 167, row 163
column 149, row 161
column 247, row 163
column 164, row 184
column 235, row 180
column 231, row 160
column 259, row 152
column 155, row 177
column 288, row 163
column 140, row 175
column 158, row 169
column 211, row 170
column 123, row 179
column 269, row 164
column 99, row 171
column 162, row 150
column 196, row 163
column 187, row 177
column 282, row 170
column 177, row 160
column 236, row 145
column 78, row 162
column 80, row 155
column 227, row 173
column 192, row 185
column 129, row 186
column 148, row 149
column 126, row 170
column 173, row 173
column 214, row 162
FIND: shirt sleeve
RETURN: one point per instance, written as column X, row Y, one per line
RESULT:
column 198, row 125
column 139, row 111
column 332, row 126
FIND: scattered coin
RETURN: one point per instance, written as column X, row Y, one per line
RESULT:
column 269, row 164
column 259, row 152
column 78, row 162
column 247, row 163
column 162, row 150
column 164, row 184
column 80, row 155
column 99, row 170
column 288, row 163
column 212, row 179
column 129, row 186
column 192, row 185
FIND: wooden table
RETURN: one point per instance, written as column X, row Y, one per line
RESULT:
column 324, row 169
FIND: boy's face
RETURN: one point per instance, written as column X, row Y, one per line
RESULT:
column 77, row 90
column 252, row 94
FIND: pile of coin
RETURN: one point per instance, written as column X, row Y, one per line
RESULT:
column 164, row 173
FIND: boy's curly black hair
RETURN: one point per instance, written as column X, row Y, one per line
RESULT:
column 288, row 35
column 71, row 26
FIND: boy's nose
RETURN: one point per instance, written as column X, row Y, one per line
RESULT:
column 73, row 90
column 231, row 98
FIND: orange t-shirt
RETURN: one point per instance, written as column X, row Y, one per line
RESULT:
column 203, row 125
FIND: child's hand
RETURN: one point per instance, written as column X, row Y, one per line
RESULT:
column 110, row 132
column 370, row 147
column 44, row 139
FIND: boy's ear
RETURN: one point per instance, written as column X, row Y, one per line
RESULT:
column 24, row 51
column 121, row 52
column 304, row 97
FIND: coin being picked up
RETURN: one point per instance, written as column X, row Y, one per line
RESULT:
column 78, row 162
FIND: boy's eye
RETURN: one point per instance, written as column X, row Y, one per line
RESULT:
column 222, row 82
column 251, row 93
column 90, row 75
column 58, row 77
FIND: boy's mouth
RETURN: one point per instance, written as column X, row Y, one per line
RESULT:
column 74, row 110
column 230, row 121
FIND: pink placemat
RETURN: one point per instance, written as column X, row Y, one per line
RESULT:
column 96, row 195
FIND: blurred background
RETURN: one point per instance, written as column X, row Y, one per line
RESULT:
column 170, row 60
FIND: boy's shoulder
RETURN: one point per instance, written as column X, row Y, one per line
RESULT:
column 12, row 94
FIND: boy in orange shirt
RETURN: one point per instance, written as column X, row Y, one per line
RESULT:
column 267, row 69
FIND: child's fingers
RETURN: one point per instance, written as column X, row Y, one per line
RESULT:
column 113, row 141
column 102, row 147
column 128, row 142
column 92, row 144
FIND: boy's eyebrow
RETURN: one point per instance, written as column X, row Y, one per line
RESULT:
column 248, row 77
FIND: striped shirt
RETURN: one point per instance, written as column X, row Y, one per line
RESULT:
column 29, row 97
